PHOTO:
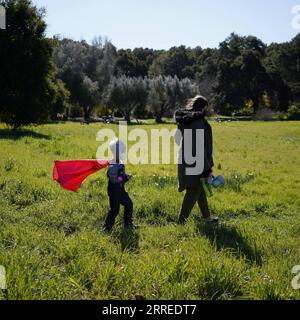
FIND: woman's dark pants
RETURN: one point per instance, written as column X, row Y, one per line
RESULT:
column 192, row 196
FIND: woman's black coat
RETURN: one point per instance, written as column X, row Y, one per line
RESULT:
column 194, row 121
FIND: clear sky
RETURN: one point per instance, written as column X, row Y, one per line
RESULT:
column 161, row 24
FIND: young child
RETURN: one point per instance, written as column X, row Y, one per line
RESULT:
column 117, row 178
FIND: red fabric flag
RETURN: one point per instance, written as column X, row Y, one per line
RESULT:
column 71, row 174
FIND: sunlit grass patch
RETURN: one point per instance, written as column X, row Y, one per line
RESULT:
column 51, row 240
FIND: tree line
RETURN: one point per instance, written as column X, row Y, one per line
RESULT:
column 41, row 78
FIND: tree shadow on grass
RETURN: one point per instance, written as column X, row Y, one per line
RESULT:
column 228, row 237
column 7, row 134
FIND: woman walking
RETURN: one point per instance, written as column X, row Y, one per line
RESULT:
column 192, row 118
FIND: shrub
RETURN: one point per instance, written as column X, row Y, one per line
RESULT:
column 293, row 112
column 265, row 114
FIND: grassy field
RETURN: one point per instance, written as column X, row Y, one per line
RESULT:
column 52, row 245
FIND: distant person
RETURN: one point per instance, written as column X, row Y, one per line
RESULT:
column 193, row 117
column 117, row 178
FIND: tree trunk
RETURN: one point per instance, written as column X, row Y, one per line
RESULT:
column 159, row 114
column 128, row 118
column 86, row 113
column 256, row 104
column 158, row 118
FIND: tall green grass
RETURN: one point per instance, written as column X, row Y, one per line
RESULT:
column 52, row 245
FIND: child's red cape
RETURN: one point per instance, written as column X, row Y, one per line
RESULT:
column 71, row 174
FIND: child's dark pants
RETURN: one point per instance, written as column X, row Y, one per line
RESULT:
column 118, row 196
